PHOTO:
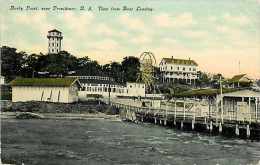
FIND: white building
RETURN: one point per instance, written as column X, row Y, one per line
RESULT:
column 54, row 45
column 2, row 80
column 240, row 80
column 99, row 85
column 177, row 70
column 62, row 90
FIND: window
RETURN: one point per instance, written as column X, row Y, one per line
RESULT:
column 190, row 69
column 52, row 50
column 183, row 68
column 57, row 50
column 57, row 44
column 178, row 68
column 171, row 67
column 194, row 69
column 130, row 86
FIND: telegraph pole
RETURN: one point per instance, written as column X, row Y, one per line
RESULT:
column 221, row 98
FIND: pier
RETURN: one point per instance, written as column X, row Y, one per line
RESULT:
column 224, row 117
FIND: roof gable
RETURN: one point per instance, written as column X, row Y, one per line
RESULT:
column 47, row 82
column 243, row 93
column 179, row 61
column 239, row 77
column 54, row 30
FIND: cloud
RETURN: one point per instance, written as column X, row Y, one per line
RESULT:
column 240, row 19
column 142, row 39
column 3, row 26
column 231, row 32
column 105, row 45
column 37, row 21
column 212, row 18
column 77, row 23
column 132, row 23
column 105, row 30
column 163, row 20
column 195, row 34
column 258, row 1
column 180, row 21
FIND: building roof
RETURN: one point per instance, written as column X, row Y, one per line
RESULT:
column 99, row 81
column 243, row 93
column 237, row 78
column 204, row 92
column 180, row 61
column 48, row 82
column 54, row 30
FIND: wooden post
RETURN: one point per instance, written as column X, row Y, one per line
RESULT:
column 237, row 130
column 220, row 127
column 222, row 119
column 217, row 116
column 183, row 109
column 175, row 109
column 166, row 115
column 221, row 96
column 247, row 131
column 182, row 124
column 192, row 124
column 210, row 126
column 249, row 104
column 256, row 108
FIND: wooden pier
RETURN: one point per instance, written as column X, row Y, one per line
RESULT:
column 188, row 119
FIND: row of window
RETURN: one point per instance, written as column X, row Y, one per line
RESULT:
column 54, row 39
column 52, row 50
column 181, row 74
column 179, row 68
column 105, row 89
column 102, row 85
column 54, row 33
column 53, row 44
column 137, row 85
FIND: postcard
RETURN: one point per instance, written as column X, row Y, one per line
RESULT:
column 130, row 82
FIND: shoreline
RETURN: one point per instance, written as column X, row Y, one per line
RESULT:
column 71, row 116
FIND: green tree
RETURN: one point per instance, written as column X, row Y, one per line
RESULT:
column 12, row 62
column 60, row 63
column 131, row 68
column 203, row 79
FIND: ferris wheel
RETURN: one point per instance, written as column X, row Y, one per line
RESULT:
column 146, row 74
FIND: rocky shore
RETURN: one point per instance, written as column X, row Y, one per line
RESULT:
column 47, row 110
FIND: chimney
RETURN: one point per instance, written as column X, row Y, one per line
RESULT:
column 172, row 57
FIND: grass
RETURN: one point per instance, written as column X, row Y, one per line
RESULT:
column 203, row 92
column 42, row 82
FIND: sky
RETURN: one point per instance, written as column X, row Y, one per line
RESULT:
column 216, row 34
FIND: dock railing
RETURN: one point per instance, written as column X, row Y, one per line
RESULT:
column 189, row 112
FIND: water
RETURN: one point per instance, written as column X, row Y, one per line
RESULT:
column 114, row 142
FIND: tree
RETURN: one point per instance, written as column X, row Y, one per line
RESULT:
column 203, row 79
column 130, row 67
column 30, row 66
column 11, row 62
column 59, row 64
